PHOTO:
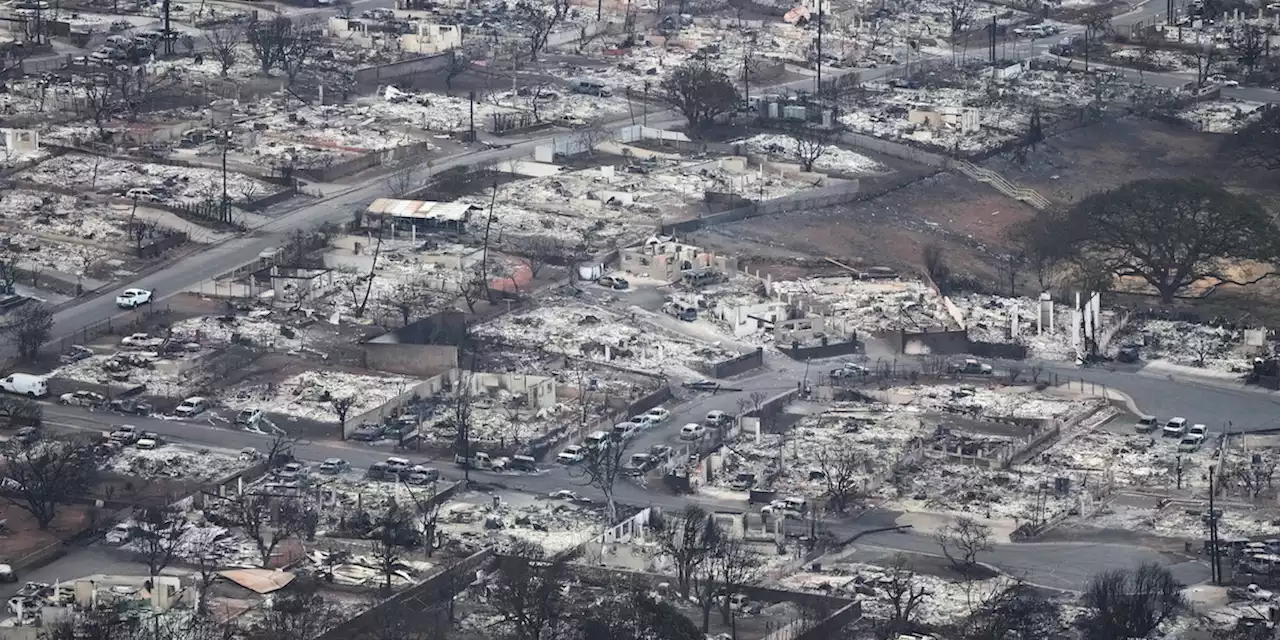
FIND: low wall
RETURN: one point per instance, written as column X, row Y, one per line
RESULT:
column 383, row 72
column 607, row 575
column 423, row 389
column 802, row 201
column 362, row 162
column 737, row 365
column 829, row 350
column 998, row 350
column 409, row 359
column 650, row 401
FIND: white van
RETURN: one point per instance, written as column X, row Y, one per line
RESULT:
column 592, row 88
column 25, row 384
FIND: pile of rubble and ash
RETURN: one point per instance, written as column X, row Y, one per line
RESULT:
column 555, row 526
column 833, row 159
column 310, row 394
column 175, row 462
column 869, row 306
column 225, row 330
column 1221, row 116
column 1218, row 348
column 169, row 183
column 572, row 328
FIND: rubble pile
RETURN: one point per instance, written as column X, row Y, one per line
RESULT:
column 1178, row 521
column 64, row 215
column 1003, row 106
column 160, row 376
column 169, row 183
column 1112, row 460
column 789, row 463
column 996, row 402
column 71, row 258
column 175, row 462
column 1221, row 116
column 555, row 526
column 310, row 394
column 572, row 328
column 499, row 420
column 834, row 159
column 434, row 112
column 225, row 330
column 947, row 600
column 986, row 493
column 869, row 306
column 365, row 570
column 1187, row 344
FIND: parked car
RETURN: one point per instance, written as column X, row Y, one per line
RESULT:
column 643, row 422
column 126, row 433
column 523, row 463
column 596, row 440
column 118, row 534
column 1146, row 424
column 380, row 471
column 333, row 466
column 571, row 496
column 613, row 282
column 716, row 419
column 132, row 298
column 702, row 385
column 292, row 471
column 1174, row 428
column 1128, row 353
column 147, row 444
column 572, row 454
column 1190, row 443
column 692, row 431
column 83, row 399
column 75, row 354
column 849, row 370
column 658, row 415
column 624, row 431
column 367, row 433
column 638, row 464
column 422, row 474
column 1198, row 430
column 192, row 407
column 27, row 435
column 791, row 507
column 141, row 340
column 249, row 417
column 743, row 480
column 971, row 366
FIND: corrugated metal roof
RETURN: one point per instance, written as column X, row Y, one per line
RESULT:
column 421, row 209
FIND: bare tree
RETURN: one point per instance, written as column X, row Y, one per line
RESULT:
column 962, row 541
column 341, row 406
column 407, row 300
column 427, row 512
column 736, row 566
column 1016, row 611
column 688, row 541
column 28, row 328
column 473, row 287
column 1249, row 43
column 224, row 45
column 460, row 413
column 958, row 14
column 592, row 135
column 843, row 473
column 811, row 143
column 266, row 520
column 140, row 230
column 538, row 20
column 300, row 614
column 158, row 536
column 393, row 534
column 528, row 594
column 9, row 261
column 538, row 251
column 904, row 598
column 1131, row 603
column 298, row 52
column 460, row 59
column 935, row 265
column 405, row 179
column 47, row 474
column 269, row 40
column 1256, row 477
column 601, row 467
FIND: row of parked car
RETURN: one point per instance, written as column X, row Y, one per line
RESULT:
column 1190, row 437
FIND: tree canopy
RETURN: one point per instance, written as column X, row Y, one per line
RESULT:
column 700, row 93
column 1169, row 233
column 1257, row 144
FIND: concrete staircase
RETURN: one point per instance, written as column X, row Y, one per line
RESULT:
column 1029, row 196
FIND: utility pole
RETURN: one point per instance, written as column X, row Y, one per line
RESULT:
column 168, row 32
column 644, row 108
column 993, row 38
column 599, row 9
column 1215, row 567
column 471, row 114
column 226, row 206
column 819, row 77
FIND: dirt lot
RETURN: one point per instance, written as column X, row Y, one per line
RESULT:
column 22, row 537
column 964, row 217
